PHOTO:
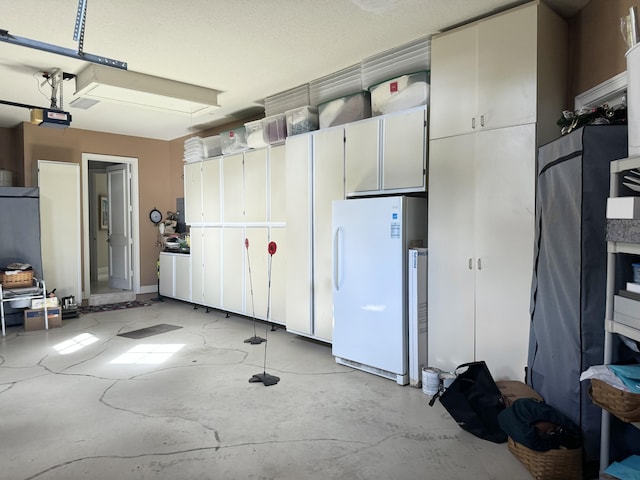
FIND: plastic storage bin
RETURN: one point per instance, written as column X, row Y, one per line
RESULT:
column 400, row 93
column 212, row 146
column 345, row 109
column 275, row 128
column 234, row 141
column 255, row 134
column 301, row 120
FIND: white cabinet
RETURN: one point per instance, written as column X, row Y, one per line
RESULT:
column 193, row 193
column 232, row 182
column 386, row 154
column 256, row 181
column 175, row 276
column 315, row 177
column 202, row 192
column 481, row 229
column 509, row 69
column 241, row 197
column 497, row 86
column 277, row 185
column 211, row 191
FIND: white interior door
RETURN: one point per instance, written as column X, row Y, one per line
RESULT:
column 59, row 184
column 119, row 222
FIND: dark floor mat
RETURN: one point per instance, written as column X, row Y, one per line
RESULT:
column 112, row 306
column 149, row 331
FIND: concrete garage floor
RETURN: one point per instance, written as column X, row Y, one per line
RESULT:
column 91, row 414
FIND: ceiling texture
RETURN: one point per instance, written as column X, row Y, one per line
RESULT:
column 247, row 49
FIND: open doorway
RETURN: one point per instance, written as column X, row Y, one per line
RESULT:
column 111, row 240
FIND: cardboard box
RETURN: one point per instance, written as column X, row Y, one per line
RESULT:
column 623, row 207
column 34, row 318
column 52, row 302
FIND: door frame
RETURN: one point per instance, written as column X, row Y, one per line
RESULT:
column 135, row 217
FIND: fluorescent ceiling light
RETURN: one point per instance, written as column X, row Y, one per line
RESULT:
column 139, row 89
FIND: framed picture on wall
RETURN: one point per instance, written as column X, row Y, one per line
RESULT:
column 104, row 213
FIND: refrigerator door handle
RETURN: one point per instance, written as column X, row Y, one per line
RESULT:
column 336, row 235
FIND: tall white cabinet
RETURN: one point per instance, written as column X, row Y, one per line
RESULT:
column 229, row 201
column 315, row 177
column 497, row 88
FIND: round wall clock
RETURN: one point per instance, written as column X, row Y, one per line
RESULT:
column 155, row 216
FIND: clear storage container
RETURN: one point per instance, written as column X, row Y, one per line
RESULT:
column 275, row 128
column 400, row 93
column 301, row 120
column 234, row 141
column 212, row 146
column 255, row 134
column 345, row 109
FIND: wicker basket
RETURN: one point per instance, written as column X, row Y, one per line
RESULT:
column 555, row 464
column 15, row 280
column 624, row 405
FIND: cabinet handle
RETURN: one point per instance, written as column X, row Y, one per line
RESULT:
column 482, row 120
column 336, row 282
column 473, row 122
column 471, row 264
column 479, row 264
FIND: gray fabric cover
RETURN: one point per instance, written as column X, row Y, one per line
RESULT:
column 569, row 279
column 20, row 236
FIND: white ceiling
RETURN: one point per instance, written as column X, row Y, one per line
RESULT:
column 249, row 49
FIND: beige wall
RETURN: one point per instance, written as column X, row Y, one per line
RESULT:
column 596, row 45
column 158, row 182
column 10, row 153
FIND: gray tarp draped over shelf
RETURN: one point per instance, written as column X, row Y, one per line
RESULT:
column 20, row 235
column 569, row 280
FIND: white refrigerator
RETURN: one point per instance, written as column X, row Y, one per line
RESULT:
column 371, row 239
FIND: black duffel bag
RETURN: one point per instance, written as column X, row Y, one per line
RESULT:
column 474, row 401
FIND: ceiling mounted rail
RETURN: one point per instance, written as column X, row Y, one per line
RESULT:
column 6, row 37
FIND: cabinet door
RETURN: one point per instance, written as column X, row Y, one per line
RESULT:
column 278, row 285
column 507, row 68
column 451, row 266
column 211, row 266
column 453, row 82
column 256, row 269
column 211, row 190
column 166, row 284
column 255, row 186
column 182, row 277
column 328, row 168
column 233, row 269
column 193, row 193
column 362, row 156
column 197, row 264
column 232, row 188
column 298, row 187
column 404, row 151
column 277, row 188
column 504, row 209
